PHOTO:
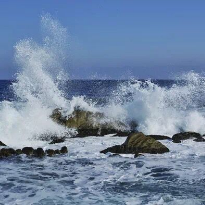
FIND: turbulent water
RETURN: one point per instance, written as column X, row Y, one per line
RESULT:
column 84, row 176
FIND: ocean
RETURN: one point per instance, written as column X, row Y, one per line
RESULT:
column 84, row 175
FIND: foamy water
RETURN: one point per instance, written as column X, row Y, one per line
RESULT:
column 84, row 176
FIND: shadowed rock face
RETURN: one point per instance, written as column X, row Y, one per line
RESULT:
column 88, row 123
column 138, row 143
column 159, row 137
column 177, row 138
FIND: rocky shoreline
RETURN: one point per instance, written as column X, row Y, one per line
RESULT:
column 95, row 124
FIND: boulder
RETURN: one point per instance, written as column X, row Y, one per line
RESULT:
column 159, row 137
column 2, row 144
column 50, row 152
column 39, row 152
column 19, row 151
column 64, row 150
column 138, row 143
column 177, row 138
column 28, row 150
column 6, row 152
column 88, row 123
column 57, row 151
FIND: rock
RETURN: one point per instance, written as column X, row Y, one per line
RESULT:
column 57, row 140
column 28, row 150
column 19, row 151
column 2, row 144
column 199, row 140
column 138, row 143
column 64, row 150
column 39, row 152
column 57, row 151
column 122, row 133
column 6, row 152
column 177, row 138
column 50, row 152
column 159, row 137
column 88, row 123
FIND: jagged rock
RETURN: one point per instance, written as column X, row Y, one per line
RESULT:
column 64, row 150
column 159, row 137
column 19, row 151
column 2, row 144
column 28, row 150
column 177, row 138
column 88, row 123
column 39, row 152
column 138, row 143
column 50, row 152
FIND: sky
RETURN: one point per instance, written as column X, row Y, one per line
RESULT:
column 113, row 39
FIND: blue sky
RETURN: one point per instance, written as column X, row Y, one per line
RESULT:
column 113, row 38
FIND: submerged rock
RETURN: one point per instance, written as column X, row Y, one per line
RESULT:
column 2, row 144
column 88, row 123
column 138, row 143
column 177, row 138
column 19, row 151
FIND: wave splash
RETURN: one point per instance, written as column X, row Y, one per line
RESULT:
column 162, row 110
column 36, row 88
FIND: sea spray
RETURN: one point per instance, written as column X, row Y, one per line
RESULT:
column 161, row 110
column 36, row 87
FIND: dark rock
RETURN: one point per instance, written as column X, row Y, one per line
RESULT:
column 138, row 143
column 6, row 152
column 50, row 152
column 122, row 133
column 19, row 151
column 57, row 140
column 2, row 144
column 39, row 152
column 28, row 150
column 57, row 151
column 199, row 140
column 185, row 136
column 64, row 150
column 159, row 137
column 176, row 141
column 88, row 123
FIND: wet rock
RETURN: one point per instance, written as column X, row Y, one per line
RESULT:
column 50, row 152
column 39, row 152
column 28, row 150
column 6, row 152
column 19, row 151
column 199, row 140
column 122, row 133
column 88, row 123
column 159, row 137
column 138, row 143
column 2, row 144
column 64, row 150
column 177, row 138
column 57, row 151
column 57, row 140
